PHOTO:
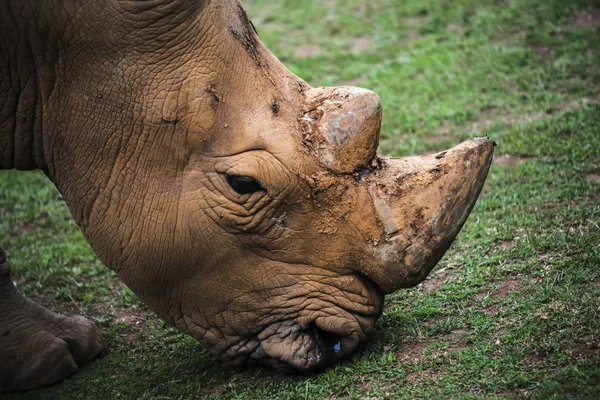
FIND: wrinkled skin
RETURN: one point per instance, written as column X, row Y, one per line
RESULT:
column 142, row 112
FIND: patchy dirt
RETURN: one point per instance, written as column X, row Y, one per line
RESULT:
column 552, row 204
column 579, row 348
column 361, row 43
column 415, row 20
column 512, row 394
column 523, row 119
column 413, row 24
column 587, row 18
column 411, row 352
column 573, row 105
column 64, row 308
column 513, row 35
column 509, row 159
column 436, row 281
column 440, row 138
column 135, row 318
column 492, row 310
column 414, row 352
column 594, row 177
column 532, row 359
column 456, row 28
column 456, row 342
column 286, row 41
column 33, row 226
column 28, row 228
column 502, row 245
column 308, row 50
column 487, row 119
column 330, row 3
column 423, row 376
column 132, row 316
column 212, row 389
column 508, row 286
column 504, row 288
column 542, row 50
column 352, row 82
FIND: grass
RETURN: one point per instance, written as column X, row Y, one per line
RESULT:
column 512, row 311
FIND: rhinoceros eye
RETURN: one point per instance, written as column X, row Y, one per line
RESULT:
column 243, row 184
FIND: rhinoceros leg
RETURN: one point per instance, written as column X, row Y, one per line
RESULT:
column 39, row 347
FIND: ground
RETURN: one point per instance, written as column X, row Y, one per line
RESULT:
column 512, row 311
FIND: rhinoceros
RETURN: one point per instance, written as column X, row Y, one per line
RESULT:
column 243, row 206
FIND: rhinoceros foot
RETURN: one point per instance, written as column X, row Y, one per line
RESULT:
column 39, row 347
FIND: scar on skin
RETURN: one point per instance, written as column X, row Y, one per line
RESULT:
column 211, row 89
column 248, row 36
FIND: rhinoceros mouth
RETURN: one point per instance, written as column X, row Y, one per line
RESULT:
column 307, row 343
column 333, row 347
column 298, row 350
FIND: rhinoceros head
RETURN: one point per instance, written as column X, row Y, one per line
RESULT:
column 247, row 208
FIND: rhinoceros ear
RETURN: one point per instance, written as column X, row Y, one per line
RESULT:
column 341, row 126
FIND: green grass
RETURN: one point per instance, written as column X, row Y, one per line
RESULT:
column 513, row 310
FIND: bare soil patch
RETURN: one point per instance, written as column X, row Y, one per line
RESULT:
column 487, row 119
column 513, row 35
column 436, row 281
column 456, row 342
column 503, row 245
column 439, row 138
column 542, row 50
column 532, row 359
column 423, row 376
column 413, row 23
column 59, row 307
column 456, row 28
column 583, row 348
column 308, row 50
column 509, row 159
column 587, row 18
column 507, row 287
column 573, row 105
column 27, row 228
column 492, row 310
column 330, row 3
column 414, row 352
column 415, row 20
column 594, row 177
column 361, row 43
column 410, row 352
column 212, row 389
column 132, row 316
column 512, row 394
column 354, row 81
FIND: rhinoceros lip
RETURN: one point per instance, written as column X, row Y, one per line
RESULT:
column 327, row 349
column 320, row 348
column 332, row 347
column 297, row 346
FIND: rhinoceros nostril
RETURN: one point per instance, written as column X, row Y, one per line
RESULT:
column 330, row 342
